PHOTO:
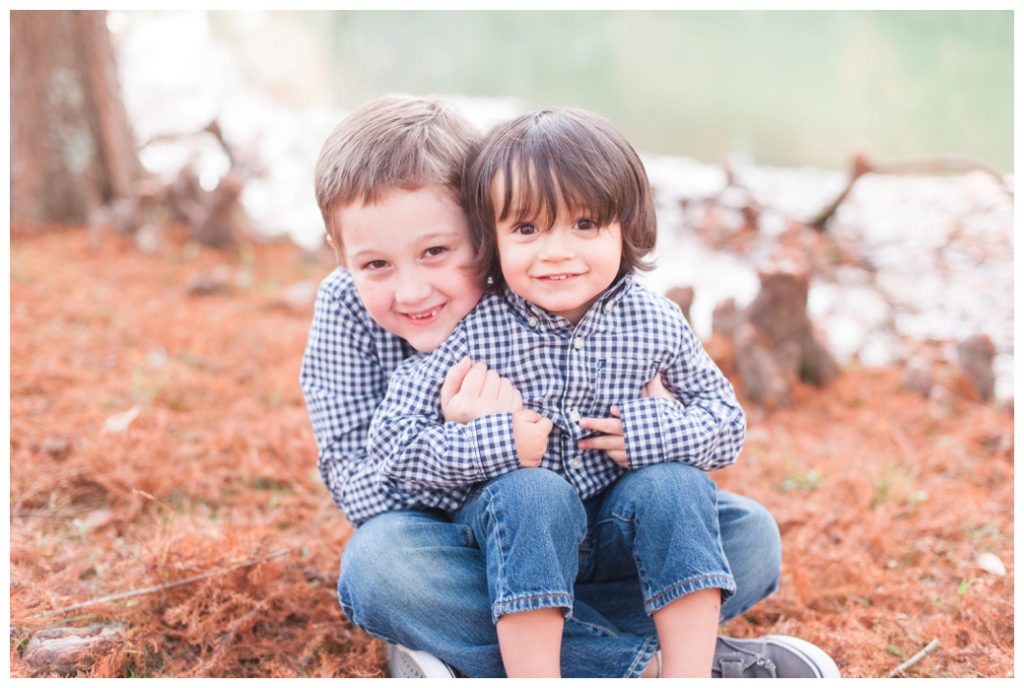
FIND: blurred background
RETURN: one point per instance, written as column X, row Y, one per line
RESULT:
column 778, row 102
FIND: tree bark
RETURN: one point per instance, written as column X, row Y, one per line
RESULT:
column 72, row 148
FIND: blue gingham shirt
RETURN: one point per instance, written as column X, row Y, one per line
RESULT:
column 344, row 376
column 564, row 372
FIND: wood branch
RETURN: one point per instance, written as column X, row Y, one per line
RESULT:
column 858, row 168
column 928, row 649
column 945, row 164
column 213, row 128
column 162, row 586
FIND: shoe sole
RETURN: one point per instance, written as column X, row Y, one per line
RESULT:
column 812, row 654
column 406, row 663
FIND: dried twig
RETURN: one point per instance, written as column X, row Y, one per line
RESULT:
column 930, row 647
column 163, row 586
column 860, row 166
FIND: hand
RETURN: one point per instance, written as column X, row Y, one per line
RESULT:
column 471, row 391
column 531, row 431
column 656, row 389
column 613, row 441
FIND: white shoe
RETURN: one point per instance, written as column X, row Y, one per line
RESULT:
column 406, row 663
column 771, row 656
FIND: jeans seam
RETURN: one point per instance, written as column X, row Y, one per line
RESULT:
column 500, row 547
column 645, row 655
column 713, row 580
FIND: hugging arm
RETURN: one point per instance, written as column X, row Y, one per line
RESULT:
column 412, row 443
column 343, row 381
column 703, row 425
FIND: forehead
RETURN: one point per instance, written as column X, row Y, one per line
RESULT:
column 537, row 195
column 400, row 219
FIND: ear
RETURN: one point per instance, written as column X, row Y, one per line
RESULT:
column 334, row 247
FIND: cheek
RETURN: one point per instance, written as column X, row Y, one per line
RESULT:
column 376, row 296
column 513, row 262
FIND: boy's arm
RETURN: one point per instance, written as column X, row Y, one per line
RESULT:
column 410, row 442
column 343, row 379
column 703, row 426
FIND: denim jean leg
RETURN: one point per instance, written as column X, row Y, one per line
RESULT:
column 529, row 524
column 416, row 578
column 665, row 518
column 753, row 547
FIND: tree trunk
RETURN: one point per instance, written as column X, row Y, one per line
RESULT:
column 72, row 148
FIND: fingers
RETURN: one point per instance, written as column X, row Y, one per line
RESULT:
column 509, row 398
column 608, row 426
column 619, row 457
column 453, row 379
column 473, row 383
column 604, row 443
column 491, row 386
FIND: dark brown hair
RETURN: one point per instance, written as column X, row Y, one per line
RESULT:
column 558, row 155
column 395, row 141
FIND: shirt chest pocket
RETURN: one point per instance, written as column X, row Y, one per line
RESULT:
column 622, row 379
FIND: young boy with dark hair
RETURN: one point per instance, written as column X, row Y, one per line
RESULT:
column 388, row 184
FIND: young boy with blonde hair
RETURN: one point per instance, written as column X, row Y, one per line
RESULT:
column 388, row 185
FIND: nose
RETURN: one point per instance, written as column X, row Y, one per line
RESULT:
column 557, row 245
column 412, row 288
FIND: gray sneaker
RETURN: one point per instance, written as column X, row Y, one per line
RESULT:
column 406, row 663
column 771, row 656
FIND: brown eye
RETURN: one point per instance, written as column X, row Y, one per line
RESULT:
column 526, row 229
column 585, row 223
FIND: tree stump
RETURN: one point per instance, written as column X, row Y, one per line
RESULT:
column 68, row 650
column 975, row 356
column 776, row 343
column 682, row 297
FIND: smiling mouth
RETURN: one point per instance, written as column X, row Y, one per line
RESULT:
column 560, row 277
column 424, row 317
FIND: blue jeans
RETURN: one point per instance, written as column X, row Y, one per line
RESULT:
column 417, row 578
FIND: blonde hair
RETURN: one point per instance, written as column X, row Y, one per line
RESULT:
column 396, row 141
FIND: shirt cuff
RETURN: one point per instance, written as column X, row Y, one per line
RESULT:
column 495, row 444
column 643, row 430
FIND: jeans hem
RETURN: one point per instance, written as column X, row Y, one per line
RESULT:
column 690, row 585
column 643, row 658
column 531, row 602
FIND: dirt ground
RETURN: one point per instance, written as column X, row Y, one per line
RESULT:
column 884, row 500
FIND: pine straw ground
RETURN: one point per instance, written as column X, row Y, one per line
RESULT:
column 883, row 508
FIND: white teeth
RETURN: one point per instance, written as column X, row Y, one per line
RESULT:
column 423, row 316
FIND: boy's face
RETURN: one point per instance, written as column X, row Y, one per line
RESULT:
column 411, row 260
column 563, row 269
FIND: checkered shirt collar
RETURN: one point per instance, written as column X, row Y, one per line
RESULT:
column 527, row 310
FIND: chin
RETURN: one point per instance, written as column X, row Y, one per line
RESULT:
column 424, row 342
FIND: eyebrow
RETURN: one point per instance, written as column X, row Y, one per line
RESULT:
column 434, row 236
column 424, row 239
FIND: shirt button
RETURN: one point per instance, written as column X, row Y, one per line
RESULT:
column 578, row 343
column 608, row 307
column 574, row 415
column 576, row 463
column 533, row 321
